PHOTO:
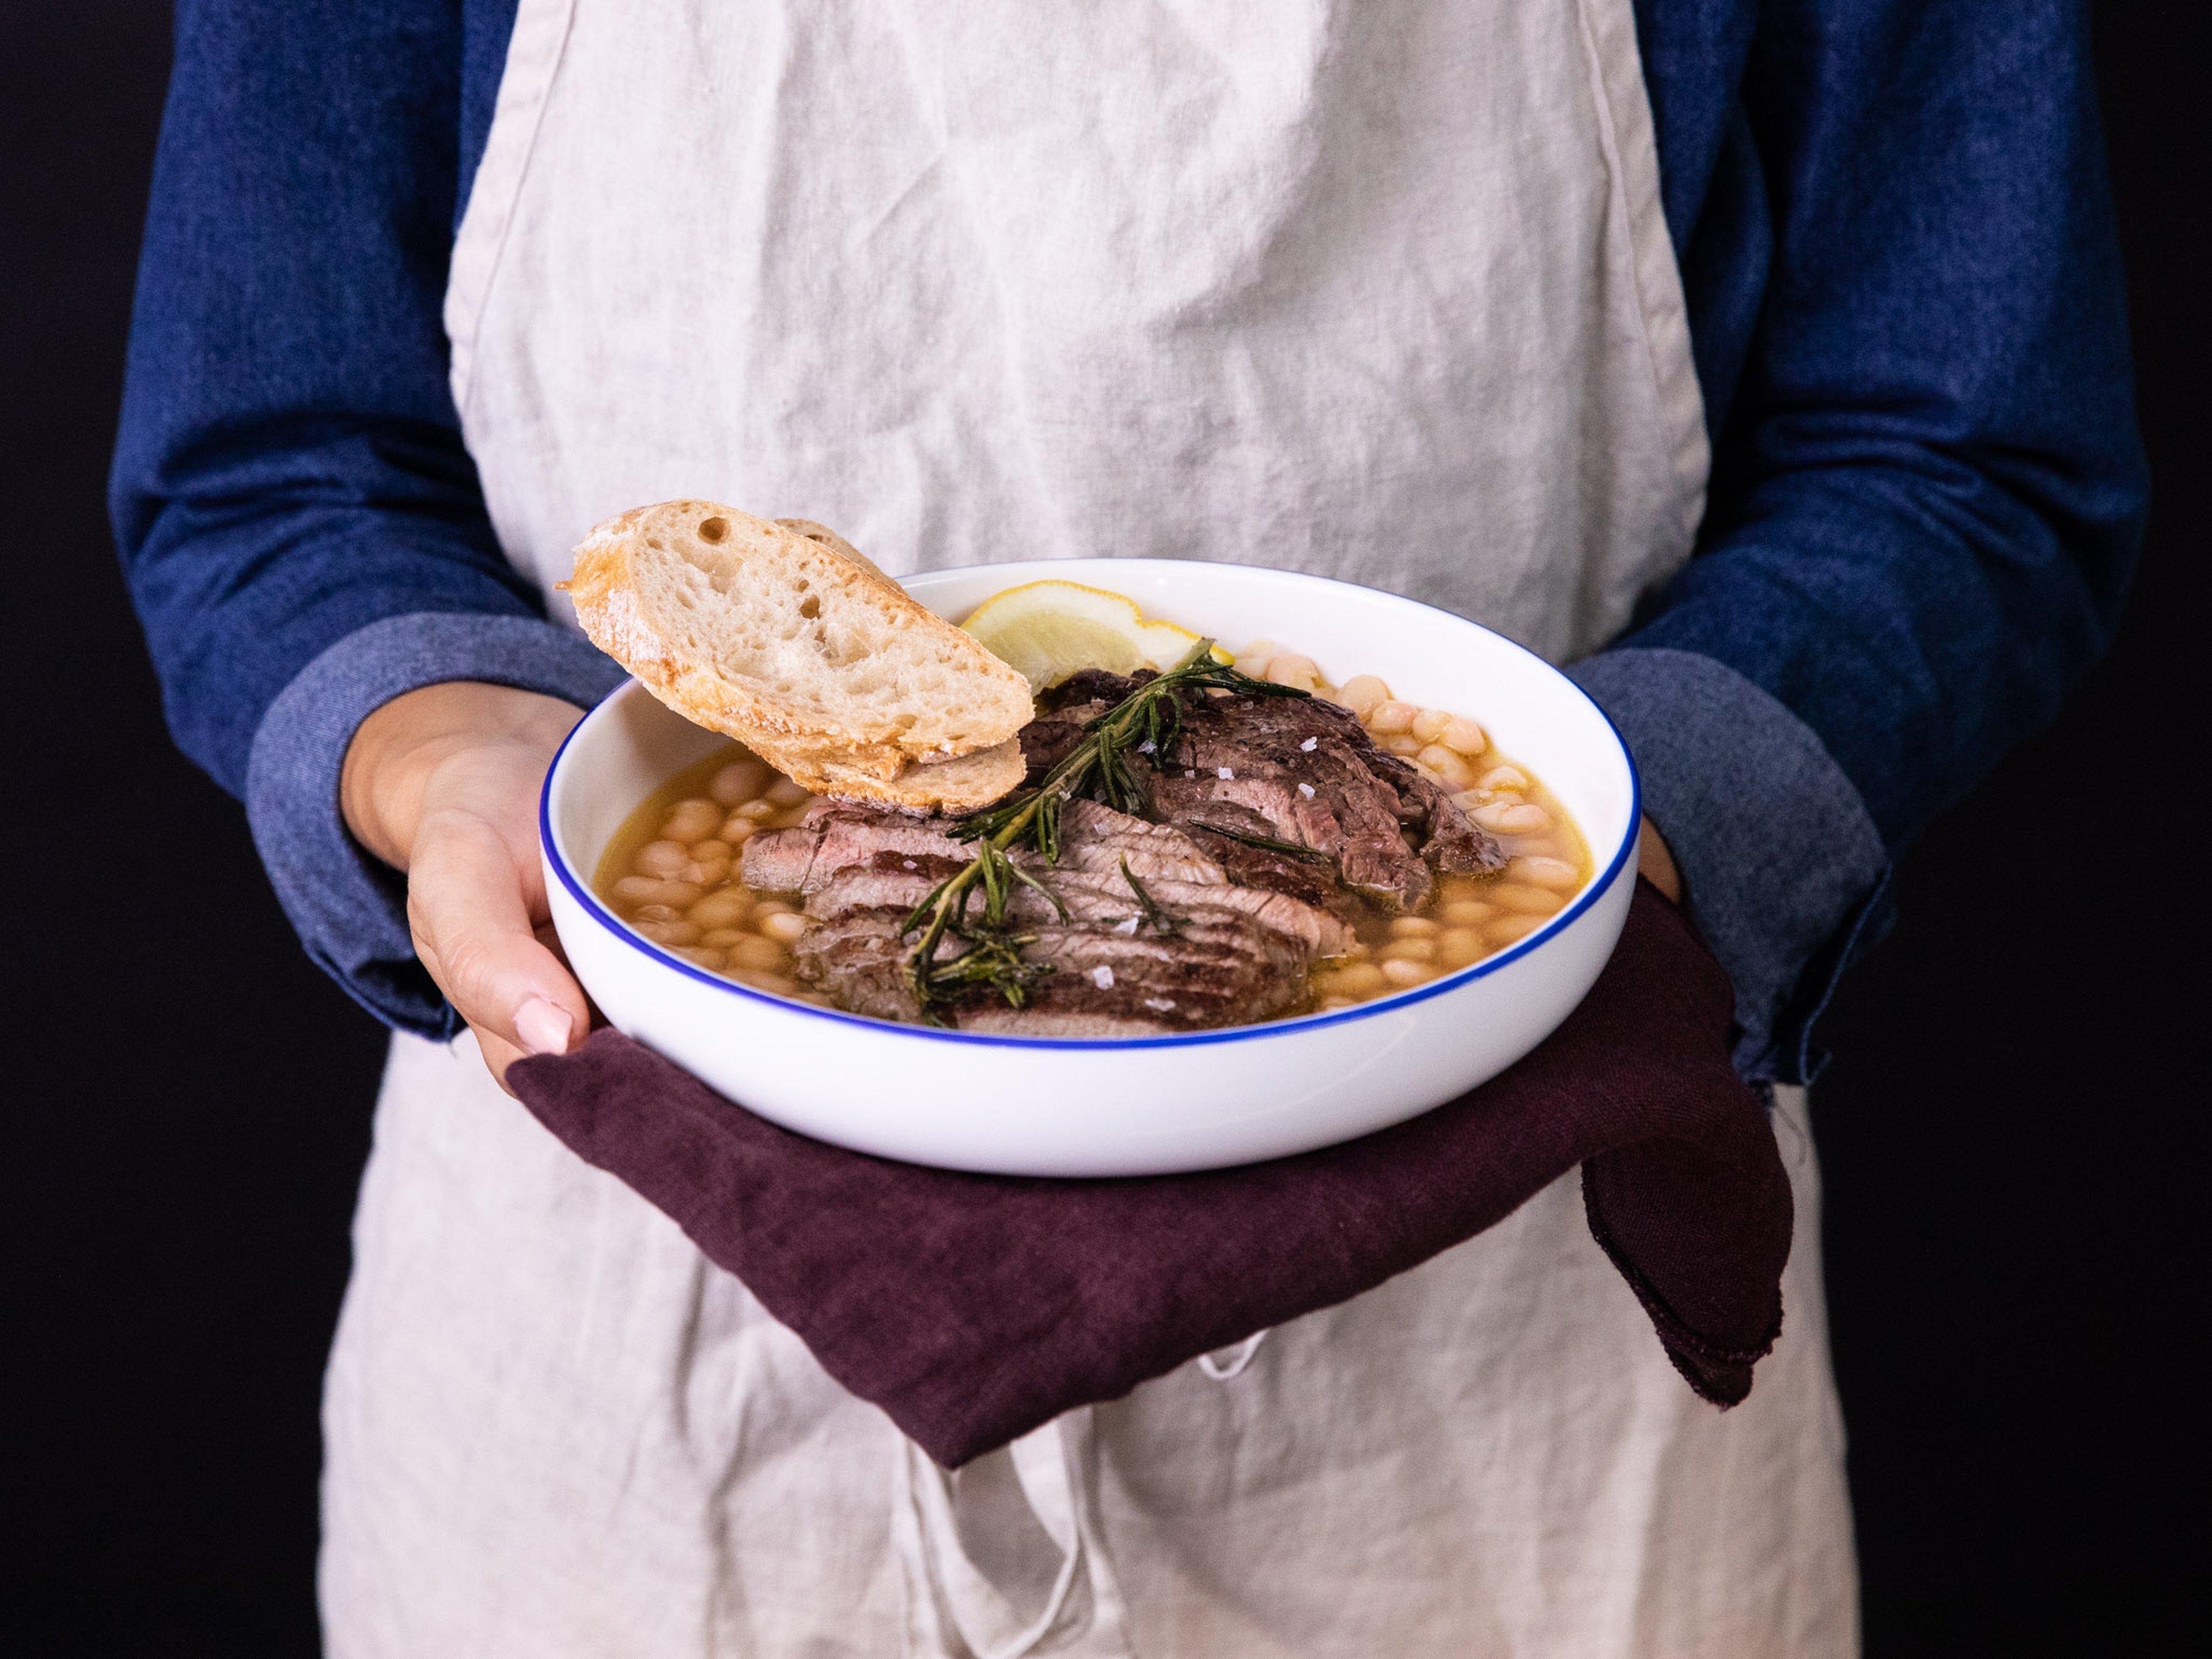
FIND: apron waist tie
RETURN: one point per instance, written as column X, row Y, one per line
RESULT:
column 1002, row 1557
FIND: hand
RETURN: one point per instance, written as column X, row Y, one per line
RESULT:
column 443, row 783
column 1654, row 863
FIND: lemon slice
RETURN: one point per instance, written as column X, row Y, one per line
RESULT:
column 1051, row 630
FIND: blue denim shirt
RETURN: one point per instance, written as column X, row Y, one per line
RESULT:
column 1895, row 236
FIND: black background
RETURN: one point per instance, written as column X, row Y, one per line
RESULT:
column 2011, row 1129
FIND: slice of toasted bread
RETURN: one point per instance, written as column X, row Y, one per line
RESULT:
column 783, row 636
column 959, row 785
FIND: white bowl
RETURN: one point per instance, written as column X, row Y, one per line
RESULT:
column 1051, row 1106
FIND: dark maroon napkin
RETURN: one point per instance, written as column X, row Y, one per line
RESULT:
column 974, row 1308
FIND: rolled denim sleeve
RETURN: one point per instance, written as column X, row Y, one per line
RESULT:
column 349, row 907
column 300, row 521
column 1784, row 872
column 1928, row 489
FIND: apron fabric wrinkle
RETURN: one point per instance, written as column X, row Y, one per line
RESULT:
column 1375, row 290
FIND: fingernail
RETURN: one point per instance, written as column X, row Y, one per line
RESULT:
column 543, row 1026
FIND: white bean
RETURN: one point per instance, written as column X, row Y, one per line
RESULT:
column 1429, row 725
column 756, row 810
column 783, row 929
column 726, row 909
column 723, row 938
column 739, row 781
column 1525, row 901
column 1290, row 669
column 1409, row 950
column 1388, row 719
column 1402, row 973
column 1555, row 874
column 701, row 955
column 1412, row 927
column 764, row 955
column 785, row 793
column 668, row 932
column 1512, row 818
column 1458, row 947
column 738, row 830
column 1358, row 979
column 644, row 890
column 692, row 820
column 663, row 860
column 1468, row 912
column 1503, row 777
column 1451, row 769
column 1405, row 743
column 1257, row 655
column 1465, row 736
column 1363, row 694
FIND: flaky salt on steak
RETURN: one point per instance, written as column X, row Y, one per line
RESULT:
column 1278, row 823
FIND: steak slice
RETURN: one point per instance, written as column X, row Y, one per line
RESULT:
column 1094, row 893
column 860, row 960
column 1317, row 779
column 1226, row 969
column 835, row 836
column 1095, row 838
column 1230, row 971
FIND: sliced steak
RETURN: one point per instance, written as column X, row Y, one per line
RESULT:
column 860, row 960
column 1097, row 838
column 1451, row 841
column 1310, row 770
column 1229, row 971
column 1311, row 879
column 1231, row 925
column 1097, row 898
column 836, row 836
column 1309, row 776
column 1225, row 969
column 1212, row 952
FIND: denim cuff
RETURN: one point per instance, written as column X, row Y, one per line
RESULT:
column 349, row 908
column 1782, row 866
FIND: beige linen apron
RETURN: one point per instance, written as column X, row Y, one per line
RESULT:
column 1380, row 290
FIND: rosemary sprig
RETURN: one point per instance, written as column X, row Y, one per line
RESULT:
column 1265, row 843
column 1148, row 720
column 993, row 958
column 1161, row 920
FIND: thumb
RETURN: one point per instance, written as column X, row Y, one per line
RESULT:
column 471, row 904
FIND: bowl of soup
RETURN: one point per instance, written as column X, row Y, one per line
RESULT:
column 645, row 818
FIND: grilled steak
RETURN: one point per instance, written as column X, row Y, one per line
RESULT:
column 1219, row 969
column 1218, row 953
column 1279, row 824
column 1300, row 770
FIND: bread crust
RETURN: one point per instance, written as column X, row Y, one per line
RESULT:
column 961, row 785
column 855, row 682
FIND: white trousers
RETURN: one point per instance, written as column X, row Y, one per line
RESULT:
column 554, row 1429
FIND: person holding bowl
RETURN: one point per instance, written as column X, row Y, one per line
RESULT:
column 1765, row 361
